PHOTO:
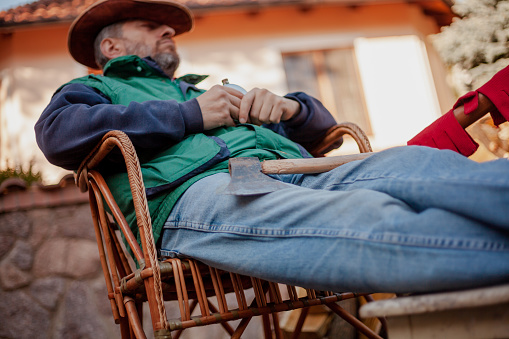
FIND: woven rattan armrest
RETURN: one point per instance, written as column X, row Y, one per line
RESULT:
column 333, row 138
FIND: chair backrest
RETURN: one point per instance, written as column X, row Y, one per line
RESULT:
column 188, row 282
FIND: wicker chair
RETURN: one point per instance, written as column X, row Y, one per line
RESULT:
column 187, row 282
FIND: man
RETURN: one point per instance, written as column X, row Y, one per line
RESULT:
column 409, row 219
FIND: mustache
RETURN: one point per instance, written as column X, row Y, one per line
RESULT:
column 162, row 40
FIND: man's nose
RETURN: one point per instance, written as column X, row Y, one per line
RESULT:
column 166, row 31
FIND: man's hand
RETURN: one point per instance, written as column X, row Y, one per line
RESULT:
column 218, row 106
column 259, row 106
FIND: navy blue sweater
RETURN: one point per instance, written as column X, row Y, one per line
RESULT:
column 78, row 116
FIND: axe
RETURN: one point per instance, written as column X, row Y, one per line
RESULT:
column 248, row 173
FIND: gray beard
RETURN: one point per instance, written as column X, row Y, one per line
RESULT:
column 168, row 62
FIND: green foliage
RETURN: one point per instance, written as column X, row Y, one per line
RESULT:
column 28, row 175
column 478, row 42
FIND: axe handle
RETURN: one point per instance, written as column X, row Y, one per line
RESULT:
column 311, row 165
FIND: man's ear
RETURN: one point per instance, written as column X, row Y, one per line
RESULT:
column 112, row 48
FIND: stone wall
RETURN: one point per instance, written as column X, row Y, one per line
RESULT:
column 51, row 282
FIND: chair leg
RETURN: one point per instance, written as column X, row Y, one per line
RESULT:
column 298, row 327
column 267, row 329
column 178, row 334
column 125, row 329
column 139, row 309
column 266, row 326
column 359, row 325
column 241, row 328
column 277, row 328
column 134, row 319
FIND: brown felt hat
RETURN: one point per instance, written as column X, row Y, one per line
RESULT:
column 88, row 24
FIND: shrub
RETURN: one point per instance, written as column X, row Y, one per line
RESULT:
column 28, row 175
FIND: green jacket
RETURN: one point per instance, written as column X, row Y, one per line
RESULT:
column 169, row 173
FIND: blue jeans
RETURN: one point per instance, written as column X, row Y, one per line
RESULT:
column 408, row 219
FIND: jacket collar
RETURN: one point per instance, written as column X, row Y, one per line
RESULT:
column 133, row 65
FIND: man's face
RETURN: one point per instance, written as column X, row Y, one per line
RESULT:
column 148, row 38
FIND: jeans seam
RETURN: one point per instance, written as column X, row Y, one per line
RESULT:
column 387, row 238
column 451, row 180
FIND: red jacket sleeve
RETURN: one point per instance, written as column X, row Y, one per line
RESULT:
column 446, row 132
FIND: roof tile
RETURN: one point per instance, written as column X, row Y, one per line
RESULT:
column 66, row 10
column 43, row 11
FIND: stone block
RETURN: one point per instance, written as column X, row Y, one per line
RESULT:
column 43, row 226
column 75, row 222
column 15, row 223
column 51, row 258
column 79, row 318
column 12, row 277
column 22, row 255
column 22, row 318
column 47, row 291
column 75, row 258
column 83, row 259
column 6, row 242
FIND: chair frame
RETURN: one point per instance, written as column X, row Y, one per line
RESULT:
column 187, row 281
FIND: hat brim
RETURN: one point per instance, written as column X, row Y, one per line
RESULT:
column 88, row 24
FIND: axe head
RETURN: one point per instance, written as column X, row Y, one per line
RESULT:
column 247, row 178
